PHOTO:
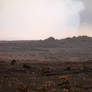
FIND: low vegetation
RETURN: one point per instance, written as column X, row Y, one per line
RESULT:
column 46, row 77
column 48, row 65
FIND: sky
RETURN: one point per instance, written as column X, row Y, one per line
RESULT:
column 40, row 19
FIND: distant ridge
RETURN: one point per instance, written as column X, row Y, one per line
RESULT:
column 50, row 39
column 75, row 48
column 74, row 37
column 51, row 42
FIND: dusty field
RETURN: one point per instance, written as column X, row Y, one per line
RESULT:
column 45, row 77
column 49, row 65
column 69, row 49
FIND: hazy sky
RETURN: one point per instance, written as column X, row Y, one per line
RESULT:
column 39, row 19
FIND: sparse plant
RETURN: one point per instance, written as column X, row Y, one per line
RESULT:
column 26, row 66
column 22, row 87
column 13, row 62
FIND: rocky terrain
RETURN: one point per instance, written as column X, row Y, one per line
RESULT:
column 49, row 65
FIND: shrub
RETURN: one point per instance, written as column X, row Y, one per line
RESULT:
column 13, row 62
column 26, row 66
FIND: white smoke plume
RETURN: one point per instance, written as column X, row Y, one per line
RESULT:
column 41, row 18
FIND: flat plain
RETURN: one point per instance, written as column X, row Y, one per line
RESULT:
column 48, row 65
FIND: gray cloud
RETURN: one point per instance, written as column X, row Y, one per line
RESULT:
column 86, row 15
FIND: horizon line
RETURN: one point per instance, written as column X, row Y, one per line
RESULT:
column 46, row 38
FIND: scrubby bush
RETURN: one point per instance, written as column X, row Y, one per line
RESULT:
column 26, row 66
column 13, row 62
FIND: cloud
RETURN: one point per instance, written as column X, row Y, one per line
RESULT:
column 86, row 15
column 85, row 29
column 86, row 19
column 35, row 19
